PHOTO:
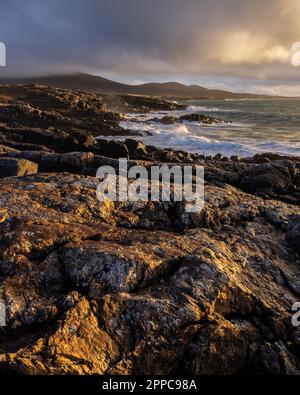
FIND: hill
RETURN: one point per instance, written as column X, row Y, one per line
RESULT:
column 95, row 84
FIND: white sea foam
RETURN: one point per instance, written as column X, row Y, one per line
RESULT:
column 181, row 138
column 237, row 138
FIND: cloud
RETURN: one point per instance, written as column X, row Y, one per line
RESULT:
column 248, row 39
column 241, row 47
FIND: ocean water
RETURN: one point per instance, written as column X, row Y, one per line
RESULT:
column 257, row 126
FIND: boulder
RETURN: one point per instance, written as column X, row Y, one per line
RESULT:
column 270, row 178
column 111, row 149
column 206, row 119
column 16, row 167
column 73, row 162
column 136, row 149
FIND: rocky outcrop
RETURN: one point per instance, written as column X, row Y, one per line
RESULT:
column 138, row 104
column 111, row 149
column 199, row 118
column 278, row 179
column 139, row 287
column 120, row 288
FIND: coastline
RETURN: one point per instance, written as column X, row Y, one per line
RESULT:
column 139, row 288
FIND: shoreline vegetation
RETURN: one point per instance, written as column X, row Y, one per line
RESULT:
column 127, row 288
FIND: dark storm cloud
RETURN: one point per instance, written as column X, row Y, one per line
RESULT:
column 135, row 38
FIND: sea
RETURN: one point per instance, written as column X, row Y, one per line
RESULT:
column 250, row 127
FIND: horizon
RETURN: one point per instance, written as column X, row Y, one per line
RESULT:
column 129, row 83
column 216, row 44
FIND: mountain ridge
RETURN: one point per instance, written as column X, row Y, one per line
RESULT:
column 101, row 85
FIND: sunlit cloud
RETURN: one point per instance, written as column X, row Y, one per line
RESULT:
column 133, row 39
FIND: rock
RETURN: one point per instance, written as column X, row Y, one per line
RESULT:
column 268, row 157
column 136, row 149
column 200, row 118
column 16, row 167
column 16, row 146
column 218, row 157
column 167, row 120
column 57, row 139
column 138, row 104
column 77, row 346
column 206, row 119
column 3, row 215
column 111, row 149
column 73, row 162
column 293, row 232
column 270, row 178
column 118, row 288
column 101, row 267
column 139, row 288
column 4, row 149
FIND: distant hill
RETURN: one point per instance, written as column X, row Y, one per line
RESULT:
column 90, row 83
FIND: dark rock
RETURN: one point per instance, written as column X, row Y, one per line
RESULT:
column 200, row 118
column 16, row 167
column 136, row 149
column 111, row 149
column 218, row 157
column 24, row 146
column 76, row 162
column 137, row 104
column 73, row 162
column 206, row 119
column 167, row 120
column 293, row 232
column 56, row 139
column 270, row 178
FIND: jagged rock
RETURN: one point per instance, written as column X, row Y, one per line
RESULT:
column 206, row 119
column 57, row 139
column 166, row 120
column 235, row 158
column 136, row 149
column 74, row 162
column 92, row 288
column 200, row 118
column 77, row 346
column 106, row 266
column 218, row 157
column 16, row 167
column 293, row 232
column 5, row 149
column 140, row 287
column 267, row 157
column 278, row 179
column 270, row 178
column 14, row 145
column 137, row 104
column 111, row 149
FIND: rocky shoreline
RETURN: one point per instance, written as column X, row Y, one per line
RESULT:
column 123, row 288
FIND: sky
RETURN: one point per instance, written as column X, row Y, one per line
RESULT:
column 238, row 45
